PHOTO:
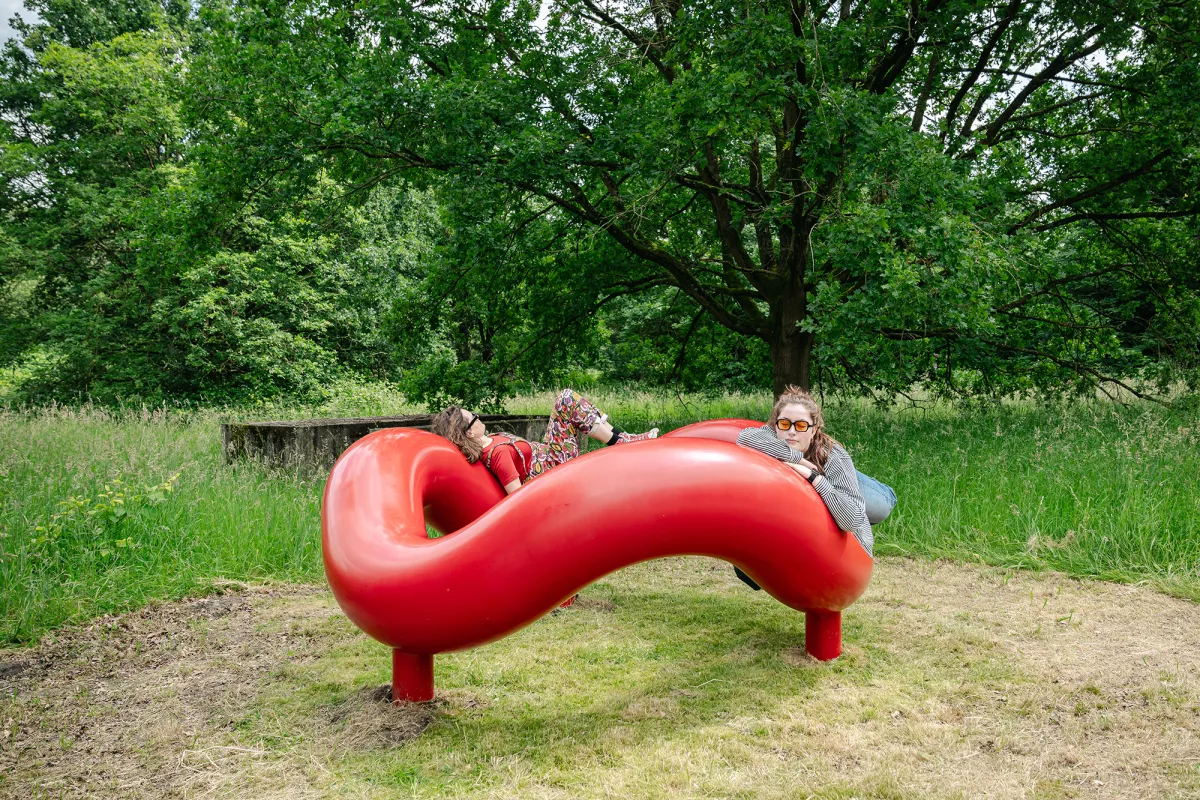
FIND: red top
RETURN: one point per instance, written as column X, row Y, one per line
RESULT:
column 504, row 463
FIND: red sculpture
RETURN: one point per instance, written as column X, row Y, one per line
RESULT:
column 692, row 492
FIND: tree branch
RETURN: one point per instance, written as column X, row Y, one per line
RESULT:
column 1060, row 63
column 926, row 90
column 583, row 208
column 1083, row 370
column 731, row 237
column 1051, row 285
column 644, row 45
column 1055, row 106
column 1079, row 369
column 563, row 328
column 1094, row 191
column 1132, row 215
column 682, row 357
column 1010, row 14
column 888, row 69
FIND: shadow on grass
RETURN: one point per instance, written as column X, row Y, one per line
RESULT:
column 582, row 688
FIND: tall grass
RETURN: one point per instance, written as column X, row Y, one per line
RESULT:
column 1088, row 488
column 103, row 511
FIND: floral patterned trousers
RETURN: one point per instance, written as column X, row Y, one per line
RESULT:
column 573, row 415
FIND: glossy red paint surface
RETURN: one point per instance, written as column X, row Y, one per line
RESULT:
column 509, row 560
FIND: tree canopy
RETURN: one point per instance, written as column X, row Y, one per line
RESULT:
column 980, row 183
column 981, row 197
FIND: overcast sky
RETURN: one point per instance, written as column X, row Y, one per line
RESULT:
column 7, row 9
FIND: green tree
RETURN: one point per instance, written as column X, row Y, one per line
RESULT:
column 81, row 161
column 128, row 272
column 503, row 300
column 957, row 192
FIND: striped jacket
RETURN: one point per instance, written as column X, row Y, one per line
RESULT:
column 838, row 487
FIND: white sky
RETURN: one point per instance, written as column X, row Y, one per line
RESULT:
column 7, row 9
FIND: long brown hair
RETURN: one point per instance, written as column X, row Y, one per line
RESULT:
column 450, row 423
column 822, row 443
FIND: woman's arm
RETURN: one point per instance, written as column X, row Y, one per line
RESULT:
column 839, row 489
column 762, row 440
column 512, row 486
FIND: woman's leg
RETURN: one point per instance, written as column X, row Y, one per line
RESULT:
column 879, row 498
column 746, row 579
column 574, row 414
column 546, row 456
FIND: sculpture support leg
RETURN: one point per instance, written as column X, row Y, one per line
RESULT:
column 823, row 634
column 412, row 677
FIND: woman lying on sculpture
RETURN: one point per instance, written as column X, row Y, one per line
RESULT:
column 795, row 434
column 515, row 461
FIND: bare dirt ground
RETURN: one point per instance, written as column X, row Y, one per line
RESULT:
column 988, row 683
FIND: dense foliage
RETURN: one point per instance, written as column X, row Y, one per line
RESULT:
column 128, row 276
column 227, row 201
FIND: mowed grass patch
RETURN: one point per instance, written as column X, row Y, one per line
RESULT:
column 668, row 679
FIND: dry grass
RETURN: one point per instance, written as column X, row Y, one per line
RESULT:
column 666, row 680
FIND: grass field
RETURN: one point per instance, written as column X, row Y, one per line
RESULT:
column 666, row 680
column 102, row 511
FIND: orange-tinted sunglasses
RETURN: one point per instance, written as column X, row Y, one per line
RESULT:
column 787, row 424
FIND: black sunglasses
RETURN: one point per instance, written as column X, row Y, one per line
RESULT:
column 474, row 419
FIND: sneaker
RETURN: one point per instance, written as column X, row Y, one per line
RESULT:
column 638, row 437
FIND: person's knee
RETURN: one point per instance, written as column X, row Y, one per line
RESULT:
column 879, row 505
column 879, row 499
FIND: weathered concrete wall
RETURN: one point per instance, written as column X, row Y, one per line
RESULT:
column 321, row 441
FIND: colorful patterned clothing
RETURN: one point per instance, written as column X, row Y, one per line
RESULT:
column 511, row 457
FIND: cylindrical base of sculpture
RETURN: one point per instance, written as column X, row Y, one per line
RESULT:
column 412, row 677
column 823, row 634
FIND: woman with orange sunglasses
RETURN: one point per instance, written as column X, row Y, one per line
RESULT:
column 795, row 434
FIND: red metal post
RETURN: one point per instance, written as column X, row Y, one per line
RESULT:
column 412, row 677
column 823, row 634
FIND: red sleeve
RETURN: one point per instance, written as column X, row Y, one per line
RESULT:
column 502, row 465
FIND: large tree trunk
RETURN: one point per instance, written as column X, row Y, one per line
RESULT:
column 791, row 360
column 791, row 348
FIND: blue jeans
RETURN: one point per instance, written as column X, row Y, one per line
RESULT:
column 879, row 498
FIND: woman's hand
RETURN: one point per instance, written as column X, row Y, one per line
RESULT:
column 805, row 468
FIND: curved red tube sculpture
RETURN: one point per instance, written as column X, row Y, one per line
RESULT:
column 508, row 563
